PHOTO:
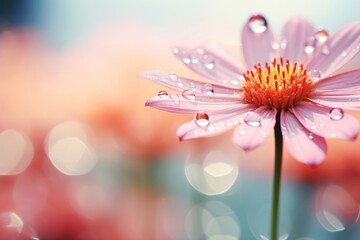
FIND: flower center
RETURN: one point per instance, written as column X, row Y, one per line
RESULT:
column 279, row 85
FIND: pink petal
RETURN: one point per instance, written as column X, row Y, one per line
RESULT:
column 343, row 45
column 257, row 47
column 219, row 122
column 210, row 65
column 346, row 99
column 347, row 80
column 294, row 34
column 180, row 83
column 255, row 129
column 181, row 103
column 303, row 145
column 323, row 122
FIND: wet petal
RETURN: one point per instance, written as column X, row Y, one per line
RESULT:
column 255, row 129
column 181, row 103
column 342, row 46
column 346, row 99
column 320, row 120
column 219, row 122
column 294, row 34
column 343, row 81
column 257, row 45
column 210, row 65
column 180, row 83
column 303, row 145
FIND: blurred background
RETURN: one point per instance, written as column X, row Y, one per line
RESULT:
column 82, row 158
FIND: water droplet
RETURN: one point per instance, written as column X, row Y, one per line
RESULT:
column 209, row 62
column 180, row 84
column 186, row 59
column 253, row 123
column 175, row 50
column 311, row 136
column 173, row 76
column 253, row 119
column 175, row 98
column 275, row 45
column 208, row 89
column 325, row 50
column 235, row 82
column 336, row 114
column 200, row 51
column 210, row 65
column 315, row 74
column 257, row 24
column 163, row 93
column 321, row 35
column 188, row 94
column 194, row 59
column 344, row 54
column 202, row 119
column 283, row 44
column 333, row 134
column 309, row 46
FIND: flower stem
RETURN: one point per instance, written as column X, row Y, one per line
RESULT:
column 277, row 178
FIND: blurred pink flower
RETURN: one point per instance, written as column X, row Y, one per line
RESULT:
column 299, row 88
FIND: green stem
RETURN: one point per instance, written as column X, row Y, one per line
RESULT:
column 277, row 178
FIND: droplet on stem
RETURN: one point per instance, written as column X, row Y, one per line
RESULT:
column 257, row 23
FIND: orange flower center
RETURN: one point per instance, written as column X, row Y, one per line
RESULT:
column 279, row 85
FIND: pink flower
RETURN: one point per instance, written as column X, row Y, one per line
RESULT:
column 291, row 79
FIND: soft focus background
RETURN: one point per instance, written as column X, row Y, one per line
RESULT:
column 82, row 158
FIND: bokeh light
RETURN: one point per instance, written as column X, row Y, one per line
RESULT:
column 16, row 152
column 212, row 175
column 69, row 150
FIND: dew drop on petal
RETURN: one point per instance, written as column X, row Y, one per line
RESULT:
column 209, row 62
column 210, row 65
column 175, row 98
column 321, row 35
column 202, row 119
column 344, row 54
column 336, row 114
column 175, row 50
column 194, row 59
column 208, row 89
column 311, row 136
column 173, row 76
column 163, row 93
column 275, row 45
column 315, row 74
column 257, row 24
column 283, row 44
column 188, row 94
column 309, row 46
column 200, row 51
column 253, row 119
column 186, row 59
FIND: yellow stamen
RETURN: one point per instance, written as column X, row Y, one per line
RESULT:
column 279, row 85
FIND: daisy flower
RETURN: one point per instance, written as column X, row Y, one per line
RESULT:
column 290, row 80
